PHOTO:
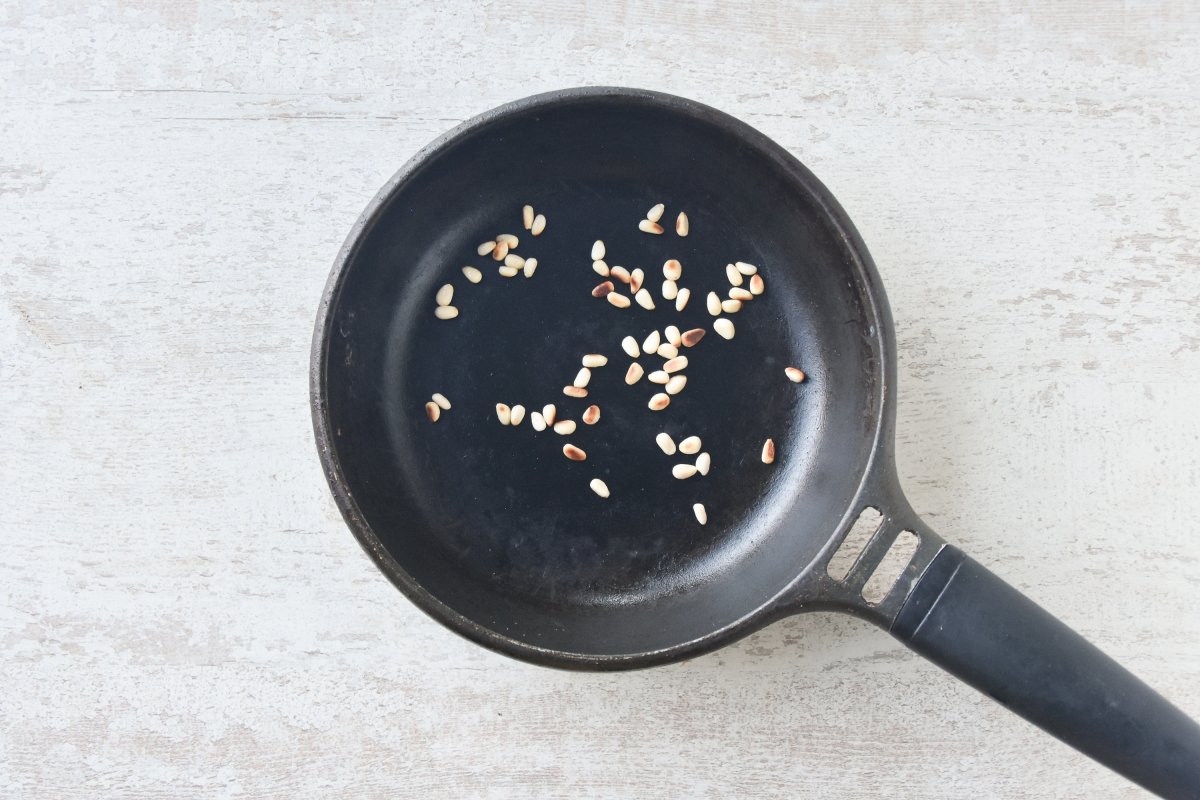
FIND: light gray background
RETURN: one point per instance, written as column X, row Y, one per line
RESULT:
column 182, row 611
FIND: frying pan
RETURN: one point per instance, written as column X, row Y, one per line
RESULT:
column 491, row 531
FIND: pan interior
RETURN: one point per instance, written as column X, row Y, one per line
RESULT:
column 490, row 526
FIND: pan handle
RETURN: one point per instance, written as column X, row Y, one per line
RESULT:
column 978, row 628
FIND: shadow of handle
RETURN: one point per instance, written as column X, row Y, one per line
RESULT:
column 978, row 628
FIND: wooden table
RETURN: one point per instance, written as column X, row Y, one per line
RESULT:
column 182, row 611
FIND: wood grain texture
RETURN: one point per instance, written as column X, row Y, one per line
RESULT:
column 182, row 612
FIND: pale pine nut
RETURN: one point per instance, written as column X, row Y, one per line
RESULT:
column 681, row 224
column 600, row 268
column 701, row 513
column 676, row 384
column 768, row 451
column 442, row 401
column 746, row 269
column 659, row 401
column 644, row 299
column 574, row 453
column 682, row 300
column 665, row 443
column 472, row 274
column 444, row 295
column 486, row 248
column 731, row 306
column 646, row 226
column 591, row 415
column 503, row 413
column 514, row 260
column 433, row 412
column 630, row 346
column 509, row 272
column 655, row 213
column 582, row 378
column 675, row 364
column 667, row 350
column 671, row 334
column 690, row 446
column 508, row 239
column 703, row 463
column 724, row 327
column 740, row 294
column 537, row 420
column 597, row 250
column 549, row 413
column 651, row 342
column 445, row 312
column 530, row 267
column 539, row 225
column 683, row 471
column 692, row 337
column 564, row 427
column 634, row 373
column 599, row 487
column 670, row 290
column 594, row 360
column 575, row 391
column 794, row 375
column 672, row 269
column 756, row 285
column 516, row 415
column 714, row 304
column 618, row 300
column 660, row 377
column 527, row 217
column 735, row 277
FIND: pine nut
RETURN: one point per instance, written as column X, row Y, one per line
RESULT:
column 675, row 364
column 591, row 415
column 539, row 225
column 472, row 274
column 746, row 269
column 530, row 267
column 440, row 399
column 527, row 217
column 630, row 346
column 682, row 300
column 667, row 350
column 651, row 342
column 655, row 213
column 509, row 272
column 603, row 289
column 486, row 248
column 501, row 251
column 444, row 295
column 582, row 378
column 794, row 375
column 672, row 269
column 700, row 512
column 731, row 306
column 714, row 304
column 683, row 471
column 724, row 327
column 646, row 226
column 690, row 446
column 618, row 300
column 445, row 312
column 768, row 452
column 670, row 290
column 671, row 334
column 514, row 260
column 574, row 453
column 599, row 487
column 692, row 337
column 659, row 402
column 537, row 420
column 644, row 299
column 575, row 391
column 600, row 268
column 740, row 294
column 676, row 384
column 665, row 443
column 516, row 415
column 620, row 273
column 703, row 463
column 597, row 250
column 549, row 413
column 735, row 277
column 503, row 413
column 594, row 360
column 508, row 239
column 660, row 377
column 634, row 373
column 681, row 224
column 564, row 427
column 433, row 412
column 756, row 285
column 636, row 279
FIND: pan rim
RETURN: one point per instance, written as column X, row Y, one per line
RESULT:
column 769, row 611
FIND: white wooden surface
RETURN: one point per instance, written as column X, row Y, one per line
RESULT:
column 182, row 612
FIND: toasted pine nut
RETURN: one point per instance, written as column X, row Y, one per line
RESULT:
column 672, row 335
column 575, row 391
column 690, row 446
column 564, row 427
column 549, row 413
column 433, row 412
column 724, row 327
column 681, row 224
column 630, row 346
column 537, row 420
column 599, row 487
column 636, row 279
column 539, row 225
column 620, row 273
column 516, row 415
column 503, row 413
column 527, row 217
column 672, row 269
column 794, row 375
column 582, row 378
column 501, row 251
column 618, row 300
column 768, row 451
column 508, row 239
column 692, row 337
column 700, row 512
column 714, row 304
column 746, row 269
column 670, row 290
column 731, row 306
column 591, row 415
column 574, row 453
column 594, row 360
column 600, row 268
column 742, row 295
column 665, row 443
column 634, row 373
column 703, row 463
column 659, row 402
column 514, row 260
column 530, row 267
column 445, row 312
column 683, row 471
column 644, row 299
column 735, row 277
column 676, row 384
column 651, row 342
column 440, row 399
column 646, row 226
column 472, row 274
column 597, row 250
column 486, row 248
column 667, row 350
column 509, row 272
column 444, row 295
column 756, row 285
column 660, row 377
column 682, row 300
column 603, row 289
column 675, row 364
column 655, row 213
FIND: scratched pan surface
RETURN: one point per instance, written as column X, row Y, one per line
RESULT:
column 489, row 528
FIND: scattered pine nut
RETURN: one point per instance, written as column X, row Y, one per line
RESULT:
column 509, row 272
column 646, row 226
column 682, row 300
column 472, row 274
column 564, row 427
column 672, row 269
column 651, row 342
column 700, row 512
column 630, row 346
column 574, row 453
column 676, row 384
column 655, row 213
column 665, row 443
column 501, row 251
column 537, row 420
column 516, row 415
column 445, row 312
column 636, row 279
column 530, row 267
column 620, row 273
column 539, row 225
column 603, row 289
column 683, row 471
column 737, row 293
column 675, row 364
column 660, row 377
column 690, row 446
column 440, row 399
column 503, row 413
column 768, row 451
column 527, row 217
column 756, row 285
column 591, row 415
column 659, row 402
column 724, row 327
column 594, row 360
column 600, row 268
column 514, row 260
column 618, row 300
column 671, row 334
column 644, row 299
column 549, row 413
column 433, row 412
column 703, row 463
column 681, row 224
column 667, row 350
column 486, row 248
column 745, row 269
column 634, row 373
column 597, row 250
column 599, row 487
column 735, row 277
column 508, row 239
column 575, row 391
column 714, row 304
column 794, row 375
column 444, row 295
column 731, row 306
column 670, row 290
column 582, row 378
column 692, row 337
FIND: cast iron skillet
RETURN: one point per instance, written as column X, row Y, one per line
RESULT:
column 494, row 533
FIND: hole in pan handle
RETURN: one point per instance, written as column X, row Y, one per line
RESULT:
column 975, row 626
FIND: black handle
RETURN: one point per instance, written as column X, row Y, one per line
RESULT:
column 978, row 628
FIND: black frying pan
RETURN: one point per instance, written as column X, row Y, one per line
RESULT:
column 494, row 533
